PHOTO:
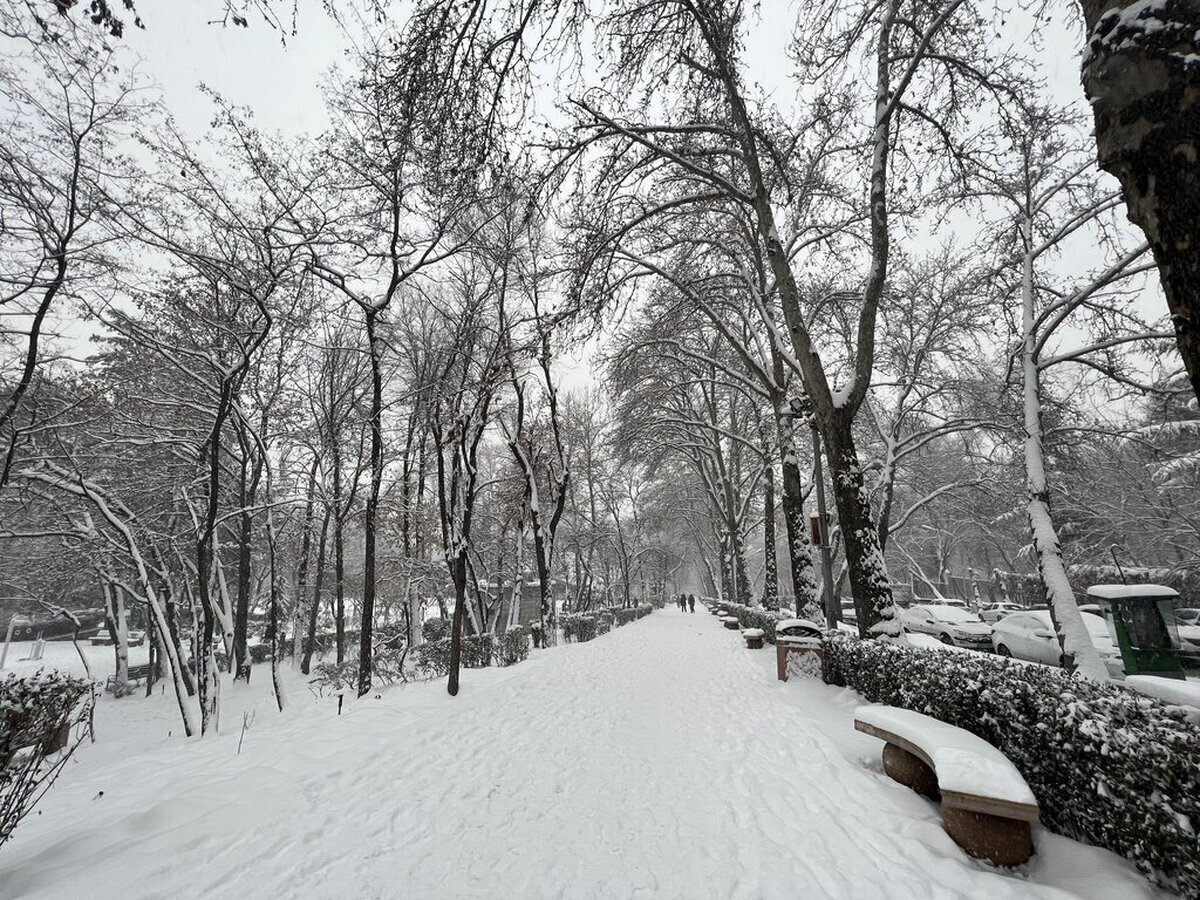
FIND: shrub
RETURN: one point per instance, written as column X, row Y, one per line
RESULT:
column 512, row 647
column 37, row 715
column 583, row 626
column 433, row 657
column 387, row 667
column 579, row 626
column 1107, row 766
column 757, row 617
column 435, row 630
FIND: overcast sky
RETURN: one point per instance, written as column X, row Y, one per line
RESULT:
column 278, row 75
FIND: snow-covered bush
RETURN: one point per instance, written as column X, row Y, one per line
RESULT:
column 37, row 715
column 757, row 617
column 579, row 626
column 583, row 626
column 1107, row 766
column 435, row 629
column 388, row 666
column 512, row 647
column 433, row 657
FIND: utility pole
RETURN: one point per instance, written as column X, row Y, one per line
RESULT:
column 833, row 610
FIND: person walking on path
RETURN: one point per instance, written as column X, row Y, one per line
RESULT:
column 691, row 602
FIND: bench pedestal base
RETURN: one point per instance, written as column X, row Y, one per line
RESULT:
column 910, row 771
column 1003, row 842
column 754, row 643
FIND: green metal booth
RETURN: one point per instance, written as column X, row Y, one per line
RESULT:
column 1141, row 620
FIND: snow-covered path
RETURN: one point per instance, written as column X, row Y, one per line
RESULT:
column 660, row 760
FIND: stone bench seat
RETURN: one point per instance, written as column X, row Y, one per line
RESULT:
column 987, row 808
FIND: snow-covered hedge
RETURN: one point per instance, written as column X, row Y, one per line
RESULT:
column 1107, row 766
column 757, row 617
column 478, row 651
column 584, row 626
column 37, row 715
column 388, row 666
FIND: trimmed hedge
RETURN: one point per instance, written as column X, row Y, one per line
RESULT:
column 584, row 626
column 1107, row 766
column 757, row 617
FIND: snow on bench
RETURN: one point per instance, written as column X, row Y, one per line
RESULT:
column 754, row 638
column 987, row 807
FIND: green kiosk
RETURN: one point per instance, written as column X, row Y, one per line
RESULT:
column 1141, row 620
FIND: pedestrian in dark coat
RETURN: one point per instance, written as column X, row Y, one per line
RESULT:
column 691, row 602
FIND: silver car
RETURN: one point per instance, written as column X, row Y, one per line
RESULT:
column 1029, row 635
column 949, row 624
column 994, row 612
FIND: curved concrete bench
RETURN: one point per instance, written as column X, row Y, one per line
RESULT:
column 987, row 808
column 754, row 638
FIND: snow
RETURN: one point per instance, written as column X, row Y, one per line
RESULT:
column 929, row 642
column 1125, row 591
column 676, row 766
column 1169, row 690
column 753, row 632
column 784, row 625
column 965, row 763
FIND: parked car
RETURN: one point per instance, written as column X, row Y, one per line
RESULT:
column 1189, row 639
column 1029, row 635
column 994, row 612
column 949, row 624
column 849, row 613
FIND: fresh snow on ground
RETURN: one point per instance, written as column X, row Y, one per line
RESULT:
column 660, row 760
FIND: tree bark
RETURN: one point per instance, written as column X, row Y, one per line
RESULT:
column 1141, row 77
column 770, row 564
column 367, row 613
column 310, row 640
column 1078, row 652
column 868, row 573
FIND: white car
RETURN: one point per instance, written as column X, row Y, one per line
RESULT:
column 949, row 624
column 1029, row 635
column 994, row 612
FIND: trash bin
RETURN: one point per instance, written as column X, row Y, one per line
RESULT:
column 796, row 637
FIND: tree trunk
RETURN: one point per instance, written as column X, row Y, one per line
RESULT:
column 114, row 618
column 800, row 556
column 310, row 640
column 367, row 613
column 339, row 584
column 770, row 597
column 1140, row 75
column 241, row 619
column 868, row 573
column 458, row 574
column 1079, row 654
column 305, row 554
